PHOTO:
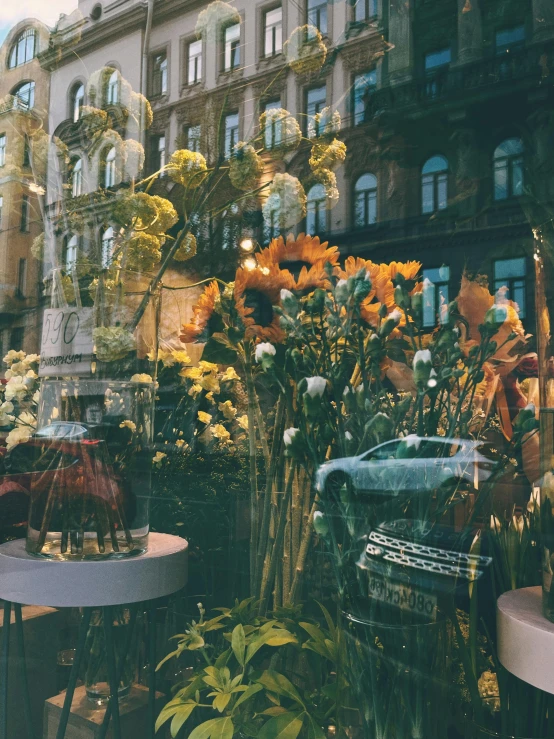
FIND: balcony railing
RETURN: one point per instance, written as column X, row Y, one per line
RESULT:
column 11, row 103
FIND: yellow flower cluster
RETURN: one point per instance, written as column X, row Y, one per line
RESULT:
column 112, row 343
column 305, row 50
column 245, row 167
column 143, row 252
column 187, row 250
column 327, row 156
column 186, row 168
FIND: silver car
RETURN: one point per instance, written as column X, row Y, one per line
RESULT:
column 412, row 464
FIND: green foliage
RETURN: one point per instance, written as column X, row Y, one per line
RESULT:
column 239, row 675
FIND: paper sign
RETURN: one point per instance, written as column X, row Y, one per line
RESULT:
column 67, row 345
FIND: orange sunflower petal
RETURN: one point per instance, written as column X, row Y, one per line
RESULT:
column 267, row 282
column 201, row 314
column 305, row 249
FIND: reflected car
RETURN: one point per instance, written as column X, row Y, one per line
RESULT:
column 388, row 470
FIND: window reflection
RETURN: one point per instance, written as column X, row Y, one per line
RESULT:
column 434, row 185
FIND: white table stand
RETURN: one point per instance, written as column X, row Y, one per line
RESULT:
column 30, row 580
column 526, row 637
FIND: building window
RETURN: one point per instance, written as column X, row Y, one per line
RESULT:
column 364, row 10
column 273, row 130
column 24, row 225
column 273, row 32
column 508, row 169
column 272, row 223
column 159, row 75
column 71, row 252
column 316, row 15
column 112, row 90
column 77, row 179
column 77, row 101
column 159, row 156
column 364, row 84
column 194, row 62
column 192, row 138
column 434, row 185
column 232, row 47
column 109, row 168
column 25, row 94
column 23, row 49
column 231, row 133
column 509, row 281
column 436, row 67
column 16, row 338
column 26, row 152
column 108, row 241
column 21, row 278
column 435, row 295
column 316, row 100
column 231, row 228
column 365, row 200
column 2, row 149
column 316, row 210
column 509, row 38
column 1, row 208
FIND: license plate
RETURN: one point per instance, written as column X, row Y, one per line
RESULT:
column 403, row 596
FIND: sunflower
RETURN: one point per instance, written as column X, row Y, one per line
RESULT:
column 408, row 270
column 257, row 291
column 382, row 288
column 303, row 259
column 201, row 314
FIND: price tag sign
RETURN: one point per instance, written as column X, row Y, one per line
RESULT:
column 67, row 345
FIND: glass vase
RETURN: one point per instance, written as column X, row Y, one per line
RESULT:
column 126, row 639
column 544, row 300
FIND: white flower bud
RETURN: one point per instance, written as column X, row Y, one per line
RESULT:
column 316, row 386
column 264, row 348
column 289, row 435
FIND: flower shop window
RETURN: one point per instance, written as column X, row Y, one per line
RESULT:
column 434, row 185
column 363, row 87
column 508, row 169
column 316, row 210
column 436, row 296
column 112, row 89
column 510, row 276
column 365, row 200
column 273, row 32
column 231, row 47
column 316, row 15
column 23, row 49
column 77, row 101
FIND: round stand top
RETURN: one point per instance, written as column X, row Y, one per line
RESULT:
column 38, row 581
column 526, row 637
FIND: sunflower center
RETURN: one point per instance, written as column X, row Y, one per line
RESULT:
column 294, row 266
column 262, row 309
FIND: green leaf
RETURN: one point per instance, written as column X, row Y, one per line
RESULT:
column 168, row 657
column 273, row 638
column 216, row 352
column 286, row 726
column 216, row 728
column 221, row 661
column 238, row 643
column 278, row 683
column 181, row 715
column 252, row 690
column 314, row 730
column 221, row 701
column 274, row 711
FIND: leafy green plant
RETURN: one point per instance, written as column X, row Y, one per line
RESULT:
column 241, row 657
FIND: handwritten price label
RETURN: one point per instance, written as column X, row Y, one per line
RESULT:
column 66, row 347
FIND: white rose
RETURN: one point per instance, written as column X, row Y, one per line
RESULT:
column 316, row 386
column 289, row 435
column 264, row 348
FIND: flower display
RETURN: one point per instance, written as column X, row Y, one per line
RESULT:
column 303, row 259
column 256, row 294
column 158, row 459
column 18, row 435
column 243, row 422
column 324, row 125
column 141, row 379
column 202, row 312
column 143, row 252
column 266, row 347
column 228, row 410
column 245, row 166
column 187, row 249
column 327, row 156
column 214, row 17
column 315, row 386
column 6, row 411
column 230, row 375
column 305, row 50
column 204, row 417
column 220, row 433
column 187, row 168
column 112, row 343
column 279, row 130
column 286, row 201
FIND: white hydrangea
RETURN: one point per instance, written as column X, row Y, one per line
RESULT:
column 264, row 348
column 286, row 204
column 325, row 123
column 214, row 17
column 279, row 129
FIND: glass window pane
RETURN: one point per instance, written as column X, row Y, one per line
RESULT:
column 517, row 177
column 438, row 58
column 506, row 268
column 427, row 195
column 501, row 180
column 508, row 38
column 442, row 192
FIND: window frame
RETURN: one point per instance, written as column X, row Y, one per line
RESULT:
column 367, row 5
column 232, row 49
column 321, row 8
column 71, row 246
column 437, row 285
column 438, row 177
column 317, row 105
column 25, row 214
column 3, row 148
column 370, row 194
column 319, row 213
column 355, row 114
column 198, row 141
column 109, row 164
column 110, row 241
column 77, row 182
column 74, row 114
column 276, row 141
column 15, row 48
column 228, row 149
column 111, row 85
column 509, row 159
column 159, row 74
column 509, row 282
column 198, row 59
column 26, row 104
column 275, row 42
column 1, row 209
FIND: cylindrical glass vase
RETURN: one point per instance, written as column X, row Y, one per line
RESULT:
column 544, row 301
column 126, row 639
column 92, row 458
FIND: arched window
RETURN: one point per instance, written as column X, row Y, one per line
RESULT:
column 108, row 240
column 71, row 250
column 109, row 168
column 77, row 178
column 508, row 169
column 77, row 101
column 365, row 200
column 434, row 185
column 25, row 94
column 316, row 210
column 112, row 90
column 23, row 49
